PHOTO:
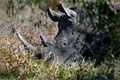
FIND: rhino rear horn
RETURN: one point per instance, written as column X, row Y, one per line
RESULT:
column 43, row 42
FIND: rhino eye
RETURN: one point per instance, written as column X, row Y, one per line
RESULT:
column 64, row 43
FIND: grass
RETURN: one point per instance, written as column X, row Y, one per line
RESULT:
column 6, row 78
column 17, row 63
column 26, row 67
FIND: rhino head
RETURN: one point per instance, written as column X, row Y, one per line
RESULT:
column 69, row 33
column 67, row 44
column 66, row 19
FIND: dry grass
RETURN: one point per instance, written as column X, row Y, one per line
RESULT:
column 16, row 63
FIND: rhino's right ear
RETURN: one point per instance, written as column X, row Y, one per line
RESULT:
column 69, row 12
column 54, row 16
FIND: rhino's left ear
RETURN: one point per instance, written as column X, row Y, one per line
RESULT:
column 54, row 16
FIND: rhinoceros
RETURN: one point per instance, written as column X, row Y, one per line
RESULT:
column 68, row 43
column 73, row 40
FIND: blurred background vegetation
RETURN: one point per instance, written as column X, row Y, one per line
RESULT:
column 29, row 16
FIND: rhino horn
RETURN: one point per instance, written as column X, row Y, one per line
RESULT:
column 43, row 41
column 26, row 44
column 54, row 16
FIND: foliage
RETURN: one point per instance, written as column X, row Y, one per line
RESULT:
column 31, row 68
column 17, row 63
column 103, row 17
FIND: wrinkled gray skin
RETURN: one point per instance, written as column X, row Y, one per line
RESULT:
column 71, row 36
column 69, row 41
